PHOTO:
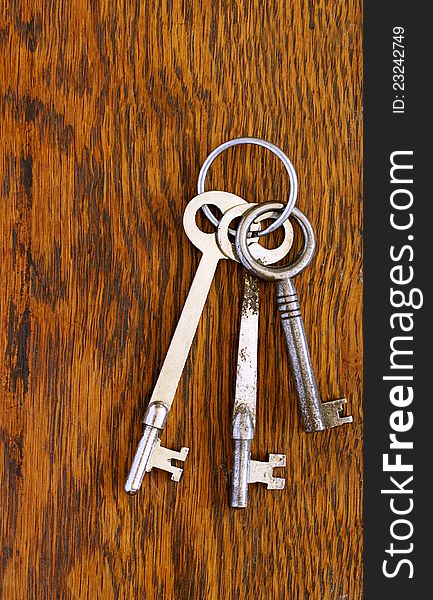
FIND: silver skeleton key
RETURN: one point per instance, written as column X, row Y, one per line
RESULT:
column 150, row 453
column 245, row 469
column 316, row 415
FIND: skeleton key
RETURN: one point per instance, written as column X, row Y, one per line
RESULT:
column 245, row 469
column 316, row 415
column 150, row 453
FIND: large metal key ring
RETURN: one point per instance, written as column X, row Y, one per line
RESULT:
column 274, row 273
column 275, row 150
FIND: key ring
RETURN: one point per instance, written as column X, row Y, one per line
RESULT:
column 276, row 273
column 275, row 150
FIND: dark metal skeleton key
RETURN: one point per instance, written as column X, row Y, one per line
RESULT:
column 316, row 415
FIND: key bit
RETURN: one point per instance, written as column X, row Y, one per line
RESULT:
column 332, row 410
column 246, row 470
column 262, row 471
column 161, row 459
column 150, row 453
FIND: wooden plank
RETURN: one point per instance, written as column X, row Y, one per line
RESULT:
column 108, row 110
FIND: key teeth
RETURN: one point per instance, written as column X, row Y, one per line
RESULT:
column 262, row 472
column 161, row 459
column 277, row 460
column 332, row 411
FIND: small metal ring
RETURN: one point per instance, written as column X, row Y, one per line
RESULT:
column 276, row 273
column 293, row 193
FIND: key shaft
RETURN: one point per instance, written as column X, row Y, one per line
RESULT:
column 181, row 342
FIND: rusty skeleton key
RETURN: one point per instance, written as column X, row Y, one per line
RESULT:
column 316, row 415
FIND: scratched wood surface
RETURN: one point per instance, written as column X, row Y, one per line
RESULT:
column 107, row 111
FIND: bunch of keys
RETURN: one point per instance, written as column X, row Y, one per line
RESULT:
column 241, row 245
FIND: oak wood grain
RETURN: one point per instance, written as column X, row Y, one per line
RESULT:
column 107, row 111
